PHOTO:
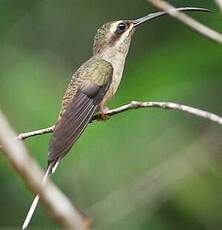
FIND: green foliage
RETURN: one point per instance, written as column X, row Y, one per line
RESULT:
column 43, row 42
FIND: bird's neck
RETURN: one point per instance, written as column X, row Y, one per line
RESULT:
column 117, row 59
column 112, row 55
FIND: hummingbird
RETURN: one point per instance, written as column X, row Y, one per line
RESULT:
column 91, row 87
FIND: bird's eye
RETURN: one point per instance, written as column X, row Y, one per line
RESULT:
column 122, row 27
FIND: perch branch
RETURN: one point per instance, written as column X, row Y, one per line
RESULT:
column 23, row 136
column 137, row 105
column 195, row 25
column 166, row 105
column 58, row 205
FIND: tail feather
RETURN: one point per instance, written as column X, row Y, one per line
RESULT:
column 30, row 212
column 51, row 169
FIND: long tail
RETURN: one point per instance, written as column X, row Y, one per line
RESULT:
column 50, row 170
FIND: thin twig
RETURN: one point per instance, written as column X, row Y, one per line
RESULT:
column 58, row 205
column 137, row 105
column 23, row 136
column 195, row 25
column 167, row 105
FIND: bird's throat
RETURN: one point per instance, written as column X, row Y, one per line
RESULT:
column 117, row 59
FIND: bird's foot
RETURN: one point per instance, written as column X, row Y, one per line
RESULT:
column 103, row 113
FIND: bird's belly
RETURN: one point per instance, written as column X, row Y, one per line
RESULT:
column 117, row 76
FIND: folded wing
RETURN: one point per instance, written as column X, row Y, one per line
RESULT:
column 77, row 115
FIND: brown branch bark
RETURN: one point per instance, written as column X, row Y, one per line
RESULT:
column 195, row 25
column 58, row 205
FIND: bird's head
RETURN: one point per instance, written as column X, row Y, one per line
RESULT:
column 117, row 34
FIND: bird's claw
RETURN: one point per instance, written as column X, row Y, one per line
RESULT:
column 103, row 113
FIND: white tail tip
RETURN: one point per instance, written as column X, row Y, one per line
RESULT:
column 36, row 200
column 30, row 213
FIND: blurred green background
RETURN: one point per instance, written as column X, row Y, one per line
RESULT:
column 143, row 169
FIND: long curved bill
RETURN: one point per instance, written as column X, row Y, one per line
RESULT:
column 149, row 17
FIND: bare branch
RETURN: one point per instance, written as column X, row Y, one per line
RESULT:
column 167, row 105
column 58, row 205
column 137, row 105
column 219, row 3
column 23, row 136
column 197, row 26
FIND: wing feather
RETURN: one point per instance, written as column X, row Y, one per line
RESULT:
column 75, row 118
column 71, row 125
